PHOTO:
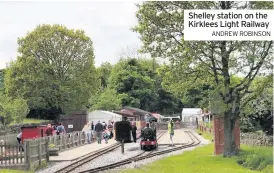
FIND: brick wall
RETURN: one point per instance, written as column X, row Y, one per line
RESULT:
column 219, row 135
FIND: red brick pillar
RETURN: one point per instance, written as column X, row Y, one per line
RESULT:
column 219, row 134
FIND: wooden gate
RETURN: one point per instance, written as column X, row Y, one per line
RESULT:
column 74, row 122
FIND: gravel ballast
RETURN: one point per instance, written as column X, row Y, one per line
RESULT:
column 131, row 149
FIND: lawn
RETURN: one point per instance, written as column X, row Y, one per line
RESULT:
column 202, row 160
column 29, row 121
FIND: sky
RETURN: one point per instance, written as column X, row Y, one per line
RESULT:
column 106, row 23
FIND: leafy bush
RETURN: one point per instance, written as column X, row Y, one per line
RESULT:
column 51, row 146
column 13, row 109
column 256, row 158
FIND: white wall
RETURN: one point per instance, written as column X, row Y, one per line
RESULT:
column 188, row 112
column 105, row 116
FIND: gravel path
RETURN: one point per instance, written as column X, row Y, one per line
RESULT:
column 131, row 149
column 53, row 166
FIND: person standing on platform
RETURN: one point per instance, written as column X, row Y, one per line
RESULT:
column 110, row 128
column 134, row 129
column 88, row 132
column 99, row 128
column 61, row 129
column 106, row 136
column 19, row 139
column 92, row 130
column 49, row 130
column 171, row 131
column 92, row 126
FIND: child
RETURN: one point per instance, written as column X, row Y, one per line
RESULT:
column 171, row 131
column 106, row 136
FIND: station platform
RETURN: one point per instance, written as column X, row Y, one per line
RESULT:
column 75, row 153
column 179, row 137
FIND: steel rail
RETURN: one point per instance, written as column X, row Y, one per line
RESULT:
column 87, row 158
column 195, row 142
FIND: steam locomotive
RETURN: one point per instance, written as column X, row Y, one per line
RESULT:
column 148, row 137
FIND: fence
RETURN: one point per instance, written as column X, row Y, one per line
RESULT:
column 9, row 139
column 34, row 151
column 164, row 125
column 67, row 141
column 206, row 129
column 10, row 155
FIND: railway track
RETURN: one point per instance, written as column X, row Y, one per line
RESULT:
column 93, row 155
column 87, row 158
column 159, row 135
column 195, row 141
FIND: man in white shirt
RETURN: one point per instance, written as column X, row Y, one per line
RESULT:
column 19, row 139
column 19, row 136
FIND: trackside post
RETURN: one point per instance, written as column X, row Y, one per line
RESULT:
column 122, row 146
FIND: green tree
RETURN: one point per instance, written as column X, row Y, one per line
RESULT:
column 104, row 72
column 13, row 110
column 55, row 70
column 193, row 63
column 109, row 100
column 258, row 113
column 2, row 71
column 140, row 85
column 165, row 102
column 133, row 81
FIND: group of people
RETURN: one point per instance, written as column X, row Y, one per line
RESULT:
column 104, row 131
column 50, row 131
column 100, row 131
column 58, row 130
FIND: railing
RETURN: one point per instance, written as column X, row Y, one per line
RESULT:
column 34, row 151
column 67, row 141
column 11, row 155
column 206, row 129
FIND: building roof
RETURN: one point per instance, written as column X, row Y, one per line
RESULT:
column 191, row 111
column 99, row 114
column 156, row 115
column 136, row 111
column 125, row 113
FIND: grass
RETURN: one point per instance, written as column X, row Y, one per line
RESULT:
column 255, row 158
column 209, row 124
column 205, row 135
column 29, row 121
column 202, row 160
